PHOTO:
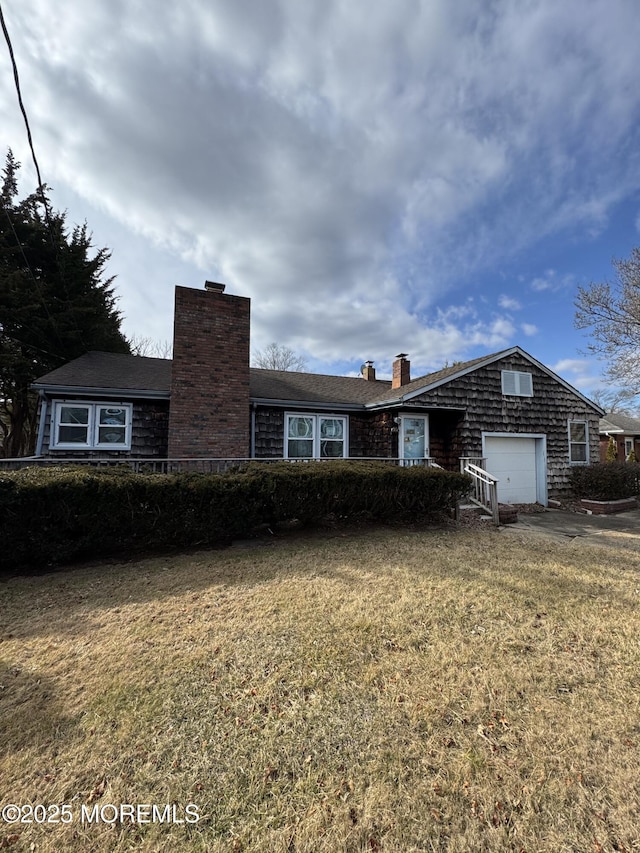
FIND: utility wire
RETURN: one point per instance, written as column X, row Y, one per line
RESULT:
column 16, row 77
column 41, row 187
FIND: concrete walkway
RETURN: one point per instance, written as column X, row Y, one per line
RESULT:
column 621, row 529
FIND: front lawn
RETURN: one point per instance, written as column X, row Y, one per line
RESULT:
column 383, row 691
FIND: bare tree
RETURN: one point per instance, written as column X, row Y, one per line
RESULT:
column 278, row 357
column 614, row 401
column 612, row 312
column 147, row 346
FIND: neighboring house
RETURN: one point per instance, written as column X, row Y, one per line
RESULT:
column 505, row 411
column 625, row 431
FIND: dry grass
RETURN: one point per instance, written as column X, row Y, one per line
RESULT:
column 387, row 691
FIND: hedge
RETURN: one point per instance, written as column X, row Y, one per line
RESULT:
column 55, row 515
column 606, row 481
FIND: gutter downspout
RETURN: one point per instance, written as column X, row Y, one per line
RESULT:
column 42, row 422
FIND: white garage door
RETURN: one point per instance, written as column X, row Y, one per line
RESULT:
column 513, row 461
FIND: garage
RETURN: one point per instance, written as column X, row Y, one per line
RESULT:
column 515, row 461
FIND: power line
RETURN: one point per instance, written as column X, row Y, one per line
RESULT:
column 41, row 187
column 60, row 258
column 16, row 77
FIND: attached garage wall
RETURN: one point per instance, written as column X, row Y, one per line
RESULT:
column 547, row 413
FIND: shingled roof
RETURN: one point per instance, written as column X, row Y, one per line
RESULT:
column 620, row 424
column 101, row 372
column 438, row 376
column 315, row 387
column 130, row 375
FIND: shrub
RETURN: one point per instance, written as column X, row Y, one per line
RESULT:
column 612, row 450
column 309, row 491
column 608, row 481
column 52, row 515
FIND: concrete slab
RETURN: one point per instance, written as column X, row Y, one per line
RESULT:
column 621, row 529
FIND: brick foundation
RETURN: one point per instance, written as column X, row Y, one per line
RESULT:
column 609, row 507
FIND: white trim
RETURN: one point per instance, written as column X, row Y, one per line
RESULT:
column 91, row 391
column 42, row 422
column 315, row 436
column 93, row 425
column 629, row 450
column 401, row 434
column 306, row 405
column 586, row 442
column 541, row 458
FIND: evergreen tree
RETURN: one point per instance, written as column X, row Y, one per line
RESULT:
column 55, row 304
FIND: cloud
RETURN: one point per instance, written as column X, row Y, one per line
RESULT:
column 509, row 303
column 570, row 365
column 584, row 374
column 363, row 159
column 551, row 281
column 449, row 335
column 529, row 329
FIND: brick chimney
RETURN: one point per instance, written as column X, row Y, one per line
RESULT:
column 209, row 408
column 368, row 371
column 401, row 371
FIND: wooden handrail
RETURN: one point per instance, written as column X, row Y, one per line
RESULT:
column 485, row 487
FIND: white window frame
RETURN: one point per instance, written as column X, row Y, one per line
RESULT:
column 316, row 440
column 629, row 447
column 584, row 421
column 93, row 425
column 401, row 434
column 517, row 383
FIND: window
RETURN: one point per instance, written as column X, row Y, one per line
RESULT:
column 77, row 425
column 516, row 384
column 73, row 425
column 628, row 447
column 111, row 425
column 578, row 441
column 316, row 437
column 414, row 437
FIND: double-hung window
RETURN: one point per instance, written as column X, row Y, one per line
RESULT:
column 316, row 437
column 578, row 441
column 78, row 425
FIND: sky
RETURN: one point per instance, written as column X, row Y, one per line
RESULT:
column 421, row 176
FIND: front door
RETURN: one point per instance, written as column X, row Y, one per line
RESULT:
column 414, row 438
